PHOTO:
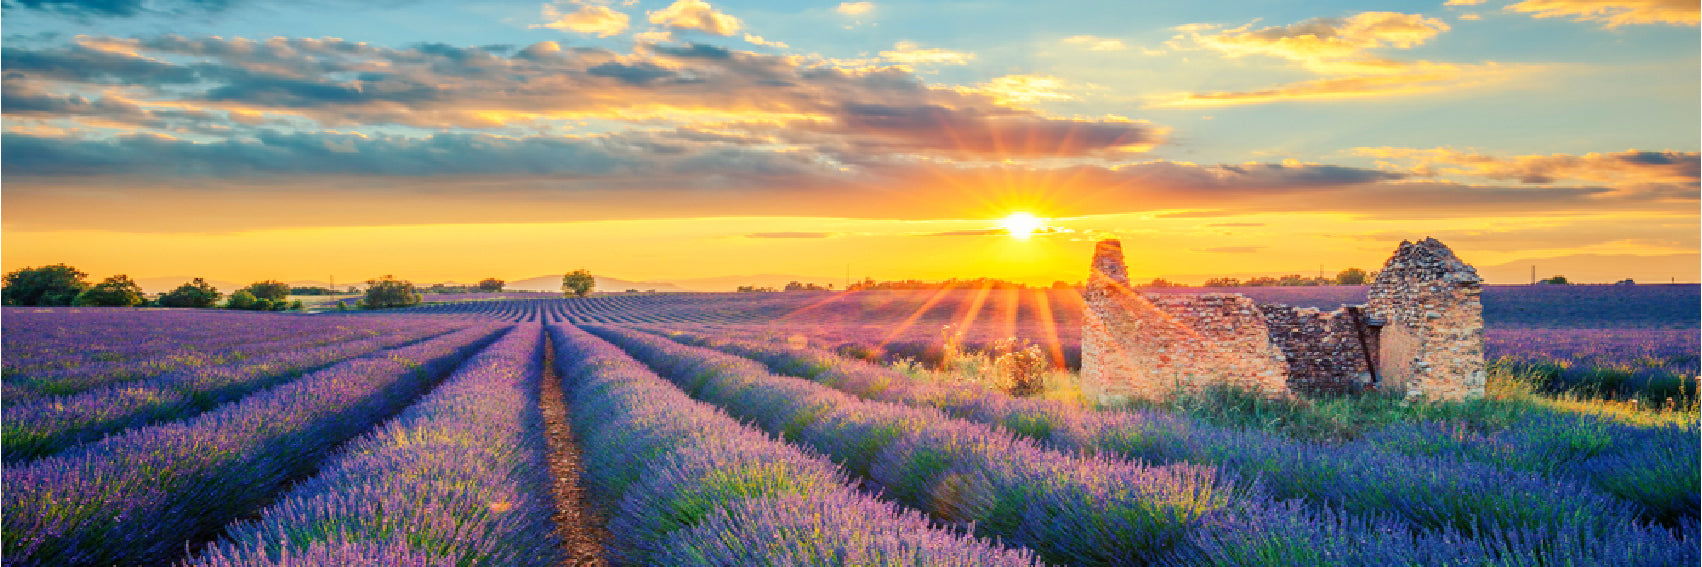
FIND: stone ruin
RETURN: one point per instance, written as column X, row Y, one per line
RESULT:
column 1420, row 333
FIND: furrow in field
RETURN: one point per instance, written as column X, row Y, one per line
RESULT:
column 458, row 477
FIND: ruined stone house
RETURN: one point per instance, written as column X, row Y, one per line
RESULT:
column 1420, row 333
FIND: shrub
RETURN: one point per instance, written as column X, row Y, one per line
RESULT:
column 115, row 291
column 273, row 290
column 58, row 284
column 388, row 292
column 578, row 283
column 196, row 293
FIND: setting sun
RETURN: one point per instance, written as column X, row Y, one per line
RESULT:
column 1021, row 225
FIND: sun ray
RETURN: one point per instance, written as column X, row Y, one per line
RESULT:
column 911, row 320
column 1043, row 311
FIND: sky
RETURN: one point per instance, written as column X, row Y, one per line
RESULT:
column 677, row 140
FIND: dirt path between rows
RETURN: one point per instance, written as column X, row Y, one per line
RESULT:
column 581, row 532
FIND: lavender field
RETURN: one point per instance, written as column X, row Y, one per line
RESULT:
column 732, row 429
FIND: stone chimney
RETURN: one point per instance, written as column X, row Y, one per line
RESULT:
column 1108, row 261
column 1432, row 341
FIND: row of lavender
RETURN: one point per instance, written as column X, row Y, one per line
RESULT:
column 53, row 352
column 1511, row 511
column 685, row 484
column 458, row 478
column 142, row 495
column 1078, row 509
column 43, row 426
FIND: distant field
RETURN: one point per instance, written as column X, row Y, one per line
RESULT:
column 1659, row 321
column 210, row 437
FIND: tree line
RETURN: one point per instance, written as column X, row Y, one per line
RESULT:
column 63, row 285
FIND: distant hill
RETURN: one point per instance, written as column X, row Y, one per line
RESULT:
column 1598, row 268
column 604, row 283
column 777, row 281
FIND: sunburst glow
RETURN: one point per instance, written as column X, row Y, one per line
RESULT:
column 1021, row 225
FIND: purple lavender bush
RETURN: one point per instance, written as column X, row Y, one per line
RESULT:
column 686, row 484
column 478, row 438
column 1067, row 508
column 48, row 425
column 1442, row 493
column 140, row 496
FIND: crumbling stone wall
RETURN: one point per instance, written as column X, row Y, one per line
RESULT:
column 1136, row 347
column 1421, row 334
column 1326, row 350
column 1432, row 339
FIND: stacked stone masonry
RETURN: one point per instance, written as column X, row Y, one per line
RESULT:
column 1421, row 334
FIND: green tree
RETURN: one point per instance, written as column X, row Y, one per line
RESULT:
column 115, row 291
column 578, row 283
column 491, row 284
column 1351, row 276
column 197, row 293
column 1556, row 280
column 58, row 284
column 242, row 299
column 273, row 290
column 387, row 291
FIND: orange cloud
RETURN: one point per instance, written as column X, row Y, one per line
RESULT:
column 1615, row 13
column 588, row 19
column 695, row 15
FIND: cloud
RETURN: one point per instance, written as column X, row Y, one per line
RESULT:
column 1418, row 78
column 1630, row 168
column 1024, row 89
column 1342, row 51
column 1236, row 224
column 1230, row 249
column 695, row 15
column 1323, row 44
column 971, row 232
column 123, row 8
column 791, row 235
column 909, row 53
column 754, row 39
column 1615, row 13
column 588, row 19
column 1463, row 2
column 853, row 114
column 855, row 8
column 1094, row 43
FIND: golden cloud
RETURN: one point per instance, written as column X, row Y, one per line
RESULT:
column 695, row 15
column 909, row 53
column 1615, row 13
column 1023, row 89
column 855, row 8
column 1093, row 43
column 589, row 19
column 1631, row 167
column 1342, row 51
column 1409, row 79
